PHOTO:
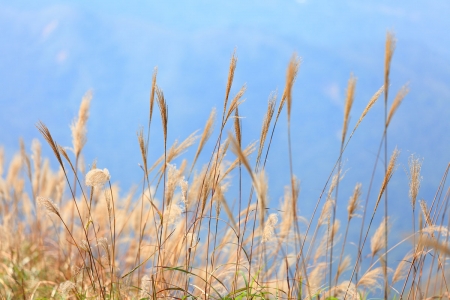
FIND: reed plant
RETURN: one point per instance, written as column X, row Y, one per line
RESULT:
column 196, row 232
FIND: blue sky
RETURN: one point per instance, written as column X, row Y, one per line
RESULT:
column 53, row 52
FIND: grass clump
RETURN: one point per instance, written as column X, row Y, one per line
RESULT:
column 69, row 234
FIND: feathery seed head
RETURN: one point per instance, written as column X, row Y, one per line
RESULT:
column 103, row 242
column 260, row 184
column 378, row 240
column 235, row 103
column 65, row 287
column 387, row 177
column 268, row 233
column 48, row 204
column 163, row 110
column 184, row 190
column 152, row 93
column 334, row 182
column 371, row 279
column 48, row 137
column 242, row 156
column 78, row 126
column 397, row 101
column 266, row 123
column 415, row 164
column 236, row 149
column 353, row 203
column 343, row 266
column 142, row 147
column 426, row 213
column 389, row 52
column 439, row 230
column 401, row 270
column 172, row 214
column 237, row 126
column 173, row 179
column 37, row 163
column 145, row 287
column 316, row 278
column 326, row 212
column 348, row 104
column 334, row 231
column 175, row 150
column 97, row 177
column 435, row 244
column 345, row 290
column 372, row 101
column 291, row 75
column 231, row 70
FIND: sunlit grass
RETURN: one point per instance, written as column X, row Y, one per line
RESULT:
column 196, row 232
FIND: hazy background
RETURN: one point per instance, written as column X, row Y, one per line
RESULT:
column 52, row 52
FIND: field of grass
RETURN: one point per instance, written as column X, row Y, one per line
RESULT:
column 196, row 232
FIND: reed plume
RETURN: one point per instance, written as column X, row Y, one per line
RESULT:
column 397, row 101
column 78, row 126
column 387, row 177
column 291, row 75
column 377, row 242
column 348, row 105
column 389, row 52
column 207, row 131
column 353, row 203
column 266, row 123
column 415, row 165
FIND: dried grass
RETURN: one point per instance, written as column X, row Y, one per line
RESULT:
column 377, row 243
column 78, row 126
column 190, row 235
column 348, row 104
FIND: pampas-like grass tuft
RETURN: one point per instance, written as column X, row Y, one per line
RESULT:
column 214, row 231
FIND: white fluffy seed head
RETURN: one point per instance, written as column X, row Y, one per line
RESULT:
column 145, row 286
column 48, row 204
column 172, row 214
column 97, row 177
column 184, row 190
column 65, row 287
column 269, row 231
